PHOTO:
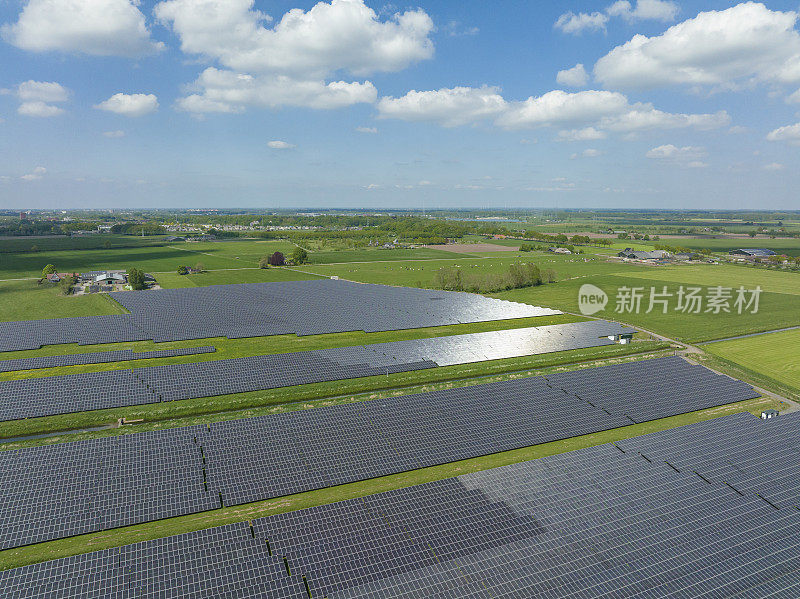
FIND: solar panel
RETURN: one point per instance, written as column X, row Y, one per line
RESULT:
column 597, row 522
column 108, row 482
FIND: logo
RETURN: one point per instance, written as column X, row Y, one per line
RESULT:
column 591, row 299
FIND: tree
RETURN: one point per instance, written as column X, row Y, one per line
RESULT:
column 107, row 244
column 183, row 270
column 299, row 256
column 136, row 279
column 34, row 248
column 48, row 270
column 200, row 267
column 264, row 262
column 66, row 284
column 277, row 259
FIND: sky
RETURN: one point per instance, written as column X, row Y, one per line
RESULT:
column 432, row 105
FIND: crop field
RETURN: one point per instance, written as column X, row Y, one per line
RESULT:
column 775, row 355
column 53, row 243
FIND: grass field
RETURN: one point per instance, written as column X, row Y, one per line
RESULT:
column 727, row 275
column 27, row 300
column 152, row 530
column 775, row 355
column 776, row 310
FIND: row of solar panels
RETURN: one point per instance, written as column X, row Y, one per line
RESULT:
column 101, row 357
column 45, row 396
column 259, row 309
column 115, row 481
column 593, row 523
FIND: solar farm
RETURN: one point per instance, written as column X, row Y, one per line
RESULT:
column 679, row 512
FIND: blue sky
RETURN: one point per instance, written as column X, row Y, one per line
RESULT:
column 440, row 104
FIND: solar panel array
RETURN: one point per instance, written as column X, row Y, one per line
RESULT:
column 259, row 309
column 45, row 396
column 102, row 357
column 30, row 398
column 241, row 461
column 593, row 523
column 659, row 387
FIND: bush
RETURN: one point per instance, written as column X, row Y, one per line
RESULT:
column 264, row 262
column 299, row 256
column 136, row 279
column 526, row 247
column 516, row 277
column 66, row 285
column 183, row 270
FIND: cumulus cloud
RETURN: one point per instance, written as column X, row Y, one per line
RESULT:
column 574, row 77
column 794, row 98
column 773, row 166
column 585, row 134
column 132, row 105
column 449, row 107
column 95, row 27
column 657, row 10
column 291, row 62
column 226, row 91
column 585, row 113
column 37, row 98
column 587, row 153
column 367, row 129
column 573, row 23
column 114, row 134
column 722, row 49
column 789, row 134
column 39, row 109
column 687, row 156
column 277, row 144
column 34, row 175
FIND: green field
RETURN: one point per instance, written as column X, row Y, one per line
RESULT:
column 27, row 300
column 727, row 275
column 775, row 355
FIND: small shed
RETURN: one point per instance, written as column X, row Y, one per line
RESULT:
column 767, row 414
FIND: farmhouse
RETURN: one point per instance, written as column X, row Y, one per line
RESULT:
column 752, row 253
column 642, row 255
column 110, row 278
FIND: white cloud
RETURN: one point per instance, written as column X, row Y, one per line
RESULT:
column 789, row 133
column 574, row 77
column 280, row 145
column 226, row 91
column 343, row 34
column 743, row 44
column 591, row 112
column 688, row 156
column 289, row 64
column 39, row 109
column 559, row 106
column 585, row 134
column 570, row 22
column 657, row 10
column 36, row 174
column 367, row 129
column 42, row 91
column 794, row 98
column 96, row 27
column 132, row 105
column 114, row 134
column 773, row 166
column 587, row 153
column 449, row 107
